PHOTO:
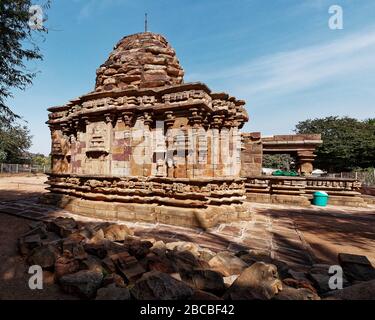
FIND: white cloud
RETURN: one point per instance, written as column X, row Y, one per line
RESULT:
column 301, row 69
column 90, row 7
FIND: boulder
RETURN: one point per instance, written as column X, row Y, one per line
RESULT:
column 299, row 284
column 62, row 226
column 28, row 243
column 38, row 228
column 205, row 280
column 75, row 248
column 109, row 265
column 185, row 260
column 117, row 232
column 85, row 283
column 259, row 281
column 252, row 256
column 156, row 285
column 356, row 268
column 65, row 264
column 184, row 246
column 290, row 293
column 158, row 245
column 320, row 281
column 227, row 264
column 139, row 249
column 206, row 254
column 44, row 256
column 98, row 249
column 97, row 237
column 359, row 291
column 228, row 281
column 153, row 262
column 127, row 266
column 114, row 278
column 112, row 292
column 92, row 263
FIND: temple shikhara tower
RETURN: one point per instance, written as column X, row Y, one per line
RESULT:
column 145, row 146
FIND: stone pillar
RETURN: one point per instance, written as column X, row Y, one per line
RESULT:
column 215, row 145
column 127, row 118
column 147, row 165
column 305, row 160
column 170, row 161
column 251, row 155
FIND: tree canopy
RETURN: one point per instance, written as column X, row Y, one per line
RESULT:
column 20, row 22
column 347, row 143
column 14, row 142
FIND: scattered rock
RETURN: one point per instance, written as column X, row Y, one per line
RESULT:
column 259, row 281
column 252, row 256
column 227, row 264
column 114, row 278
column 97, row 237
column 158, row 245
column 44, row 256
column 65, row 264
column 112, row 292
column 139, row 249
column 299, row 284
column 228, row 281
column 153, row 262
column 290, row 293
column 117, row 232
column 38, row 228
column 205, row 280
column 75, row 248
column 185, row 260
column 359, row 291
column 62, row 226
column 356, row 268
column 85, row 283
column 96, row 249
column 92, row 263
column 127, row 266
column 320, row 281
column 206, row 254
column 184, row 246
column 155, row 285
column 28, row 243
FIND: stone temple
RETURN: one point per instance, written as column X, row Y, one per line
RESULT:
column 145, row 146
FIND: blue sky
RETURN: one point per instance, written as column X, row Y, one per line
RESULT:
column 279, row 56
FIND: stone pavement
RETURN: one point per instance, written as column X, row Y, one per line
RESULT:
column 277, row 238
column 298, row 236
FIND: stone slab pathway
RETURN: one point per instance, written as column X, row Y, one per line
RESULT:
column 295, row 235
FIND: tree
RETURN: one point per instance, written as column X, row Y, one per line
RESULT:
column 40, row 160
column 20, row 21
column 347, row 143
column 278, row 161
column 14, row 141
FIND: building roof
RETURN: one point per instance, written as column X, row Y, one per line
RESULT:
column 142, row 60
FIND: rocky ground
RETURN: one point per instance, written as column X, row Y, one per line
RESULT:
column 107, row 261
column 283, row 253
